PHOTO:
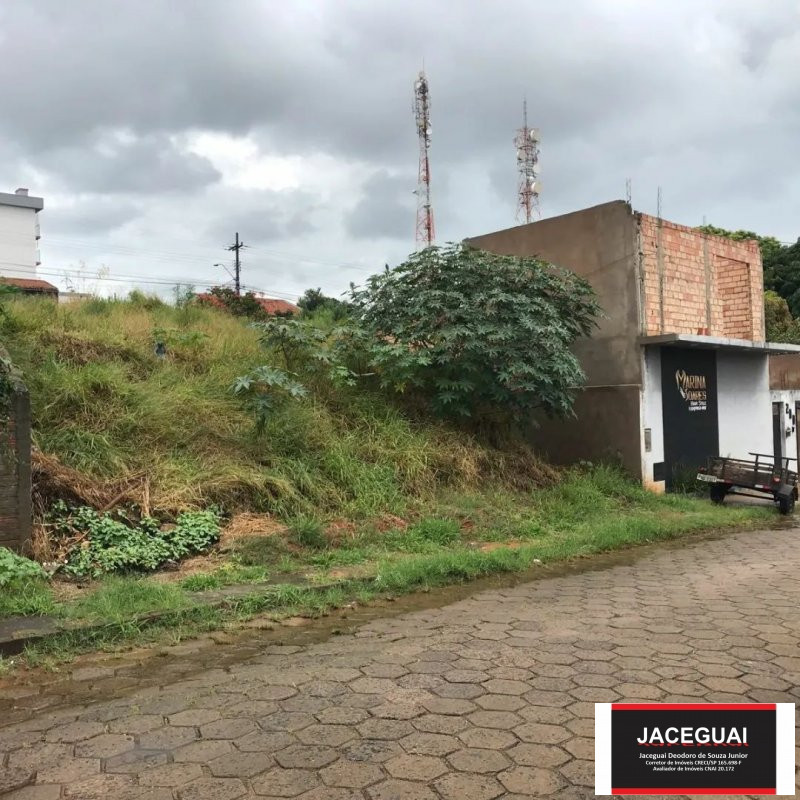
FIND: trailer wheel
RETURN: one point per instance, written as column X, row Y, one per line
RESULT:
column 786, row 504
column 717, row 492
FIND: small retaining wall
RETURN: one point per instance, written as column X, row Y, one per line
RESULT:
column 15, row 459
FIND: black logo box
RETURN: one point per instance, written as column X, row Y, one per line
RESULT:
column 745, row 769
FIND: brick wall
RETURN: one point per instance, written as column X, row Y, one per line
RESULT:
column 15, row 459
column 700, row 282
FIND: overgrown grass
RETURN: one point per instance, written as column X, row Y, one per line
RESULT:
column 26, row 597
column 104, row 403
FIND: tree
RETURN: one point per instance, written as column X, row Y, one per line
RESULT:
column 781, row 264
column 780, row 325
column 244, row 305
column 476, row 334
column 314, row 300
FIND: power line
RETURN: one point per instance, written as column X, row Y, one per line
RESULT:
column 147, row 280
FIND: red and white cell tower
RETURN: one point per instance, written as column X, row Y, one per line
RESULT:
column 422, row 113
column 527, row 144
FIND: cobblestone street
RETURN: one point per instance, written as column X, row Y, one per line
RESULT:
column 490, row 696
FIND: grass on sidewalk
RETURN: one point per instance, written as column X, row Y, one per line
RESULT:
column 461, row 538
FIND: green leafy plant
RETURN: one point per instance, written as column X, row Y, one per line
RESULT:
column 108, row 544
column 15, row 568
column 305, row 355
column 477, row 334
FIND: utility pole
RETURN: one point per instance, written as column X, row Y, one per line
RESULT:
column 236, row 247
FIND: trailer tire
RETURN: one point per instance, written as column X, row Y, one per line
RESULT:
column 717, row 492
column 786, row 504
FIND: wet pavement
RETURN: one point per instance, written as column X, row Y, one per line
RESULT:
column 488, row 696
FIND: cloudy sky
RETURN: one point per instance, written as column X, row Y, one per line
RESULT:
column 155, row 129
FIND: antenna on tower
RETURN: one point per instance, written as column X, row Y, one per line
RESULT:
column 422, row 112
column 527, row 144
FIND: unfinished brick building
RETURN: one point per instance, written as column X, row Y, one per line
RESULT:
column 677, row 369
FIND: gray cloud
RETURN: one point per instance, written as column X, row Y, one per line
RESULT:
column 121, row 164
column 698, row 96
column 385, row 209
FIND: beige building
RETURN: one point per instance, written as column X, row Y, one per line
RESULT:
column 677, row 370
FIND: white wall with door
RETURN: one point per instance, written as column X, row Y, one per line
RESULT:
column 786, row 404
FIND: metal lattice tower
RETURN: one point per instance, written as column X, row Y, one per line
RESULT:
column 527, row 144
column 422, row 111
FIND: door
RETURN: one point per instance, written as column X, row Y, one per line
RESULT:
column 689, row 403
column 796, row 437
column 777, row 433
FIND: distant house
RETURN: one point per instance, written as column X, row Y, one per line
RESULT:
column 19, row 234
column 270, row 305
column 31, row 286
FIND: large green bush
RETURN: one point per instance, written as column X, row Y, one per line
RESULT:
column 477, row 334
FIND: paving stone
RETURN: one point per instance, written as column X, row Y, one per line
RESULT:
column 537, row 755
column 579, row 772
column 68, row 770
column 170, row 775
column 102, row 787
column 74, row 732
column 416, row 767
column 531, row 781
column 434, row 744
column 166, row 738
column 462, row 785
column 194, row 717
column 203, row 751
column 376, row 751
column 135, row 723
column 106, row 745
column 286, row 721
column 11, row 779
column 133, row 762
column 503, row 720
column 351, row 774
column 400, row 790
column 213, row 789
column 330, row 735
column 478, row 760
column 35, row 793
column 280, row 782
column 487, row 738
column 385, row 728
column 305, row 756
column 331, row 793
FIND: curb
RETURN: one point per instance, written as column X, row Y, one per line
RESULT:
column 16, row 633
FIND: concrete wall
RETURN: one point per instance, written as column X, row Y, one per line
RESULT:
column 19, row 247
column 745, row 409
column 700, row 282
column 15, row 459
column 606, row 430
column 600, row 244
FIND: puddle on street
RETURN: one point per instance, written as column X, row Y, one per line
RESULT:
column 159, row 664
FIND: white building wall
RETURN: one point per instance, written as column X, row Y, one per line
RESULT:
column 19, row 247
column 788, row 398
column 745, row 406
column 652, row 416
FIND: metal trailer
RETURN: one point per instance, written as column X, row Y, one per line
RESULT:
column 765, row 475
